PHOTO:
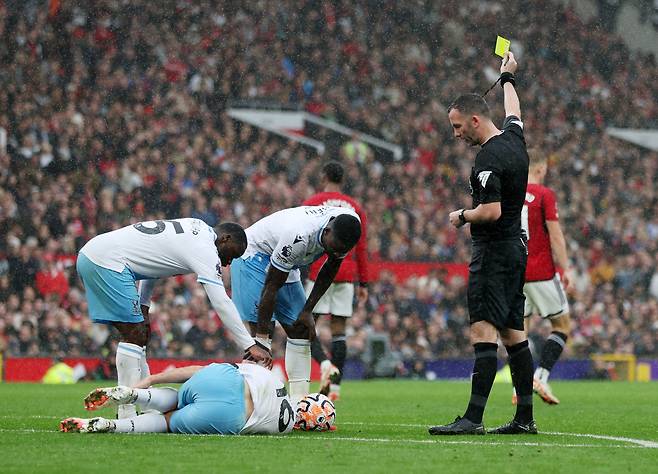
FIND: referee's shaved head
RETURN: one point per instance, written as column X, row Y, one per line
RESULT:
column 471, row 104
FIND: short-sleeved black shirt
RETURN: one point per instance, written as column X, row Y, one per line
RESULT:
column 500, row 175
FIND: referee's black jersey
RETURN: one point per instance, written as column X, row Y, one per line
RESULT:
column 500, row 175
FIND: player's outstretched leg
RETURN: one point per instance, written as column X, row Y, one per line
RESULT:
column 83, row 425
column 110, row 396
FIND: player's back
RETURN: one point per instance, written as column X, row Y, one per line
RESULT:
column 156, row 249
column 296, row 227
column 539, row 207
column 273, row 412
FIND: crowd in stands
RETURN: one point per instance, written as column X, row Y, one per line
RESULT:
column 114, row 111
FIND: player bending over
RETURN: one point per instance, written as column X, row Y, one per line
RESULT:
column 266, row 281
column 215, row 399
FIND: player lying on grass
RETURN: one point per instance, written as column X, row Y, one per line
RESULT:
column 215, row 399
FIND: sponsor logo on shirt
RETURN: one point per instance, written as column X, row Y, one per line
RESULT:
column 286, row 251
column 297, row 239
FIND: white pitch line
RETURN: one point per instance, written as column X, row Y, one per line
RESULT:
column 35, row 417
column 647, row 445
column 641, row 442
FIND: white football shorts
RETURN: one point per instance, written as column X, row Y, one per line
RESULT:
column 546, row 298
column 338, row 300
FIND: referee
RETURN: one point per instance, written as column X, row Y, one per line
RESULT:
column 497, row 270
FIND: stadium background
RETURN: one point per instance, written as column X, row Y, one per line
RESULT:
column 115, row 111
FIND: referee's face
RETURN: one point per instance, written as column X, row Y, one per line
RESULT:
column 463, row 127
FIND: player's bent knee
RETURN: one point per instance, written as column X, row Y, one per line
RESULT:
column 483, row 331
column 134, row 333
column 298, row 330
column 562, row 324
column 338, row 324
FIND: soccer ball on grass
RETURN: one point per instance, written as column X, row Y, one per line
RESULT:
column 315, row 412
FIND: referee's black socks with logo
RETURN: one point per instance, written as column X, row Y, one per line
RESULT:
column 521, row 366
column 484, row 373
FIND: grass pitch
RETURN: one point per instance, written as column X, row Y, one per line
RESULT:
column 382, row 427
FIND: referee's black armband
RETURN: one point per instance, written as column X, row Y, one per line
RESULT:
column 507, row 77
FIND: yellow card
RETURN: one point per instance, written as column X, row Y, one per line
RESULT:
column 502, row 46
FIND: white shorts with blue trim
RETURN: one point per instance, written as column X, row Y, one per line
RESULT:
column 111, row 296
column 247, row 281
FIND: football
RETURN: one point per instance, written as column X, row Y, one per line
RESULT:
column 315, row 412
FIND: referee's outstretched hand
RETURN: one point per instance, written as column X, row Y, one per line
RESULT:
column 509, row 64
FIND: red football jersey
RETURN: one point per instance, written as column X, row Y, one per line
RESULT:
column 350, row 266
column 540, row 206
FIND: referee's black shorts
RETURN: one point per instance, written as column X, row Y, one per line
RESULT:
column 495, row 283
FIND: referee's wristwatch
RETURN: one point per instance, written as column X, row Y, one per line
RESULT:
column 462, row 218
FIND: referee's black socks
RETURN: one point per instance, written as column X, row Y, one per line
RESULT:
column 520, row 364
column 484, row 373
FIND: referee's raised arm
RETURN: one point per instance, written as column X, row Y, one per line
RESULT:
column 508, row 81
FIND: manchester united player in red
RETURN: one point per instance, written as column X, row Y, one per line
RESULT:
column 338, row 299
column 544, row 289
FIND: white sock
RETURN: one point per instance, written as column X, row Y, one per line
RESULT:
column 145, row 373
column 147, row 423
column 160, row 399
column 542, row 374
column 144, row 366
column 129, row 372
column 298, row 366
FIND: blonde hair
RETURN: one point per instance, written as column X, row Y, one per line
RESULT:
column 537, row 158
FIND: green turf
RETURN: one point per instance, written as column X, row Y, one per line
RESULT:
column 381, row 428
